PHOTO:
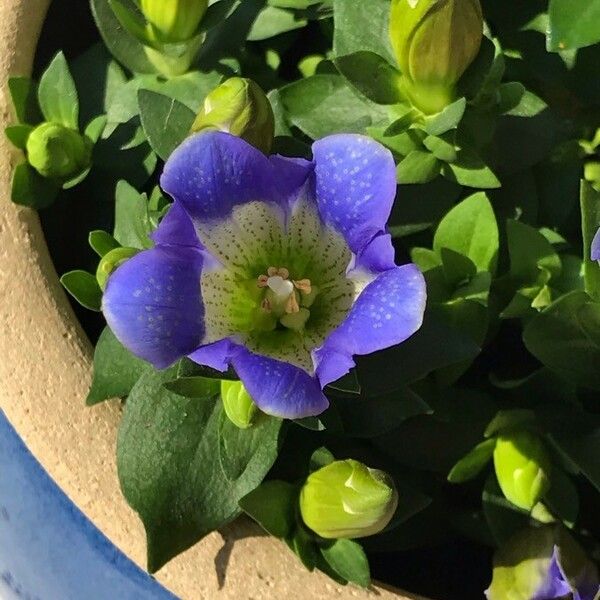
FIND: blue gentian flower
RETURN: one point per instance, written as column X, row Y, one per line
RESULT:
column 280, row 268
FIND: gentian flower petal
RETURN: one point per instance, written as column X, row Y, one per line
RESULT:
column 595, row 251
column 355, row 182
column 388, row 311
column 212, row 172
column 153, row 304
column 176, row 229
column 216, row 355
column 278, row 388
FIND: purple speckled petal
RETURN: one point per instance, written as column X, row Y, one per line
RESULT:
column 212, row 172
column 595, row 252
column 278, row 388
column 176, row 229
column 388, row 311
column 355, row 186
column 377, row 256
column 153, row 305
column 216, row 355
column 584, row 585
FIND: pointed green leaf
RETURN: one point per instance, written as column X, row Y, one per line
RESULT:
column 418, row 167
column 473, row 463
column 57, row 94
column 101, row 242
column 84, row 288
column 349, row 561
column 23, row 92
column 30, row 189
column 18, row 135
column 116, row 370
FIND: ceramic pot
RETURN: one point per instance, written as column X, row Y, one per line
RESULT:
column 49, row 548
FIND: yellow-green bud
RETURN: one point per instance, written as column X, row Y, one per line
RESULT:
column 522, row 467
column 111, row 261
column 174, row 21
column 239, row 406
column 435, row 41
column 347, row 499
column 58, row 152
column 240, row 107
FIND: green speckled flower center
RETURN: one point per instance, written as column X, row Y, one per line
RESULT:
column 282, row 286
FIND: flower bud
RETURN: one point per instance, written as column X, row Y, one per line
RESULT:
column 347, row 499
column 435, row 41
column 58, row 152
column 238, row 404
column 543, row 562
column 522, row 467
column 111, row 261
column 240, row 107
column 174, row 21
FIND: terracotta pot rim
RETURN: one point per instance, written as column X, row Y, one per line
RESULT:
column 45, row 375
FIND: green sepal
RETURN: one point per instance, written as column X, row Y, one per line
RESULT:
column 200, row 388
column 84, row 287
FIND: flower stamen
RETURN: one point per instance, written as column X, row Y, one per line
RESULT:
column 303, row 285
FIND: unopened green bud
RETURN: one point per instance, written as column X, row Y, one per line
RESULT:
column 347, row 499
column 174, row 21
column 435, row 41
column 240, row 107
column 522, row 467
column 111, row 261
column 239, row 406
column 58, row 152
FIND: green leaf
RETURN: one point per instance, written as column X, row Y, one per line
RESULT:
column 448, row 119
column 324, row 104
column 303, row 545
column 101, row 242
column 122, row 45
column 166, row 121
column 473, row 463
column 362, row 26
column 237, row 446
column 458, row 268
column 57, row 94
column 529, row 252
column 273, row 506
column 471, row 171
column 441, row 147
column 273, row 21
column 95, row 128
column 132, row 221
column 18, row 135
column 418, row 167
column 562, row 497
column 573, row 24
column 23, row 92
column 416, row 357
column 583, row 451
column 425, row 258
column 30, row 189
column 559, row 337
column 349, row 561
column 470, row 229
column 84, row 288
column 518, row 418
column 116, row 370
column 370, row 417
column 200, row 388
column 371, row 75
column 166, row 453
column 590, row 224
column 503, row 518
